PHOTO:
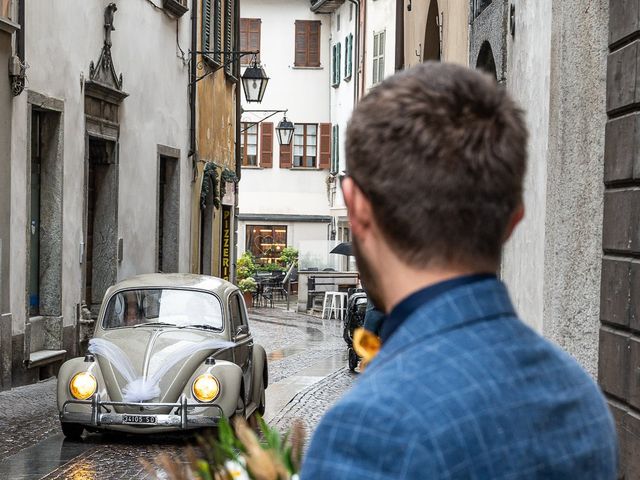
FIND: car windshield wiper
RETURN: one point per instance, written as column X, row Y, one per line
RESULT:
column 155, row 324
column 203, row 326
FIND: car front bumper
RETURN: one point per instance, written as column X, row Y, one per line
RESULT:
column 103, row 414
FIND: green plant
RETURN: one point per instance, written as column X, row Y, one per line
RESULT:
column 248, row 285
column 238, row 453
column 245, row 266
column 289, row 255
column 269, row 267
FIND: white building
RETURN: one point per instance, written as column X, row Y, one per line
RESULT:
column 283, row 194
column 100, row 172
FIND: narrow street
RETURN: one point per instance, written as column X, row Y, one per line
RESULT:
column 307, row 369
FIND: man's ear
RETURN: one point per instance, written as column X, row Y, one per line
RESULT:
column 516, row 218
column 358, row 207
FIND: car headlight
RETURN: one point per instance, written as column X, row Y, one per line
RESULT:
column 206, row 388
column 83, row 385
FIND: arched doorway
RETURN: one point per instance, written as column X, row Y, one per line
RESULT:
column 431, row 45
column 486, row 61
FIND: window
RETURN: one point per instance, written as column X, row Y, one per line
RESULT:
column 378, row 57
column 229, row 40
column 5, row 8
column 307, row 43
column 348, row 56
column 338, row 22
column 265, row 242
column 249, row 37
column 335, row 149
column 479, row 6
column 212, row 28
column 336, row 64
column 350, row 11
column 305, row 143
column 249, row 144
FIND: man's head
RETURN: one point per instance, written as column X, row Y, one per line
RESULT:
column 436, row 157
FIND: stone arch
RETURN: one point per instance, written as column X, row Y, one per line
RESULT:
column 431, row 45
column 486, row 61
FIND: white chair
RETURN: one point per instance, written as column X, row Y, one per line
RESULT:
column 334, row 305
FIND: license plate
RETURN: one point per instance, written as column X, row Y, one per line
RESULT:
column 139, row 419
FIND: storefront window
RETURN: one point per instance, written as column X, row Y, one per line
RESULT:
column 266, row 242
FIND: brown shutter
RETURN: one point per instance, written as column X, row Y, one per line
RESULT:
column 313, row 44
column 249, row 38
column 266, row 145
column 301, row 44
column 325, row 145
column 286, row 155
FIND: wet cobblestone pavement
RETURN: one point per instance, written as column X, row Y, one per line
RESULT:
column 307, row 375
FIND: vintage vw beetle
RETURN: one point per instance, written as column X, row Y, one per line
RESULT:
column 170, row 352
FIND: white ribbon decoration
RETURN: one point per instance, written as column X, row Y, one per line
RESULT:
column 138, row 389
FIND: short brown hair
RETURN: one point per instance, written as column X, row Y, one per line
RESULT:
column 440, row 151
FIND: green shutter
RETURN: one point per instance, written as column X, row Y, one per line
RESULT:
column 339, row 64
column 217, row 30
column 350, row 55
column 206, row 25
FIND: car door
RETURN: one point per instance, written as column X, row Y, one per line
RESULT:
column 243, row 351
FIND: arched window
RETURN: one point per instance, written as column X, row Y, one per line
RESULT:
column 431, row 48
column 486, row 61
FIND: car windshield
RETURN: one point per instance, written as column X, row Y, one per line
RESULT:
column 183, row 308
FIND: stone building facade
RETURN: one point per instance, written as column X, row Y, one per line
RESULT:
column 98, row 167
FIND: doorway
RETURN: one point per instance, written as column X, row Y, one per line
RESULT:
column 168, row 214
column 432, row 35
column 45, row 214
column 207, row 215
column 101, row 251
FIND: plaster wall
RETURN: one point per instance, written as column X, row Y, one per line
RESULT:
column 305, row 92
column 59, row 48
column 528, row 81
column 573, row 222
column 455, row 30
column 380, row 15
column 492, row 26
column 215, row 143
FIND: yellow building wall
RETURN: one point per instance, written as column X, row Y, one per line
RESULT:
column 215, row 142
column 455, row 30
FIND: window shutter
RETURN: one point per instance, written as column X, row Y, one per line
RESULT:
column 206, row 25
column 301, row 44
column 266, row 145
column 286, row 155
column 228, row 35
column 217, row 30
column 325, row 145
column 314, row 44
column 249, row 38
column 339, row 64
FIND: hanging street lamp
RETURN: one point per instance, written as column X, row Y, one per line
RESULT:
column 284, row 130
column 254, row 82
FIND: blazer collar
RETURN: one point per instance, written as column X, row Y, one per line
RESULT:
column 454, row 309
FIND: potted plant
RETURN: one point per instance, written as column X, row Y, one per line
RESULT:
column 248, row 287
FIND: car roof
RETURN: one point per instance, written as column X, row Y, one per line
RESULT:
column 174, row 280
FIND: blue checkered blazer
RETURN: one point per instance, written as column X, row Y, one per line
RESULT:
column 464, row 390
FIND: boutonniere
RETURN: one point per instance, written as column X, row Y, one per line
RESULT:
column 366, row 344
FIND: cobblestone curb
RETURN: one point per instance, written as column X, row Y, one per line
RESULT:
column 310, row 404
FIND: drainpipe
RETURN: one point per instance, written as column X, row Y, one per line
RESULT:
column 236, row 73
column 192, row 78
column 20, row 48
column 356, row 90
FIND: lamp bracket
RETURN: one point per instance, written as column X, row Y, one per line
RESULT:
column 232, row 54
column 271, row 112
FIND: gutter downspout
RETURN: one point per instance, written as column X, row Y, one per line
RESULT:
column 20, row 39
column 238, row 154
column 192, row 79
column 356, row 90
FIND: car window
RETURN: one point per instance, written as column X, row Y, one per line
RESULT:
column 234, row 309
column 171, row 306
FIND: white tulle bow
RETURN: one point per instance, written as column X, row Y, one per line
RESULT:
column 140, row 389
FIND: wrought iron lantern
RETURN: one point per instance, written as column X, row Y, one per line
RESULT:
column 254, row 82
column 284, row 130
